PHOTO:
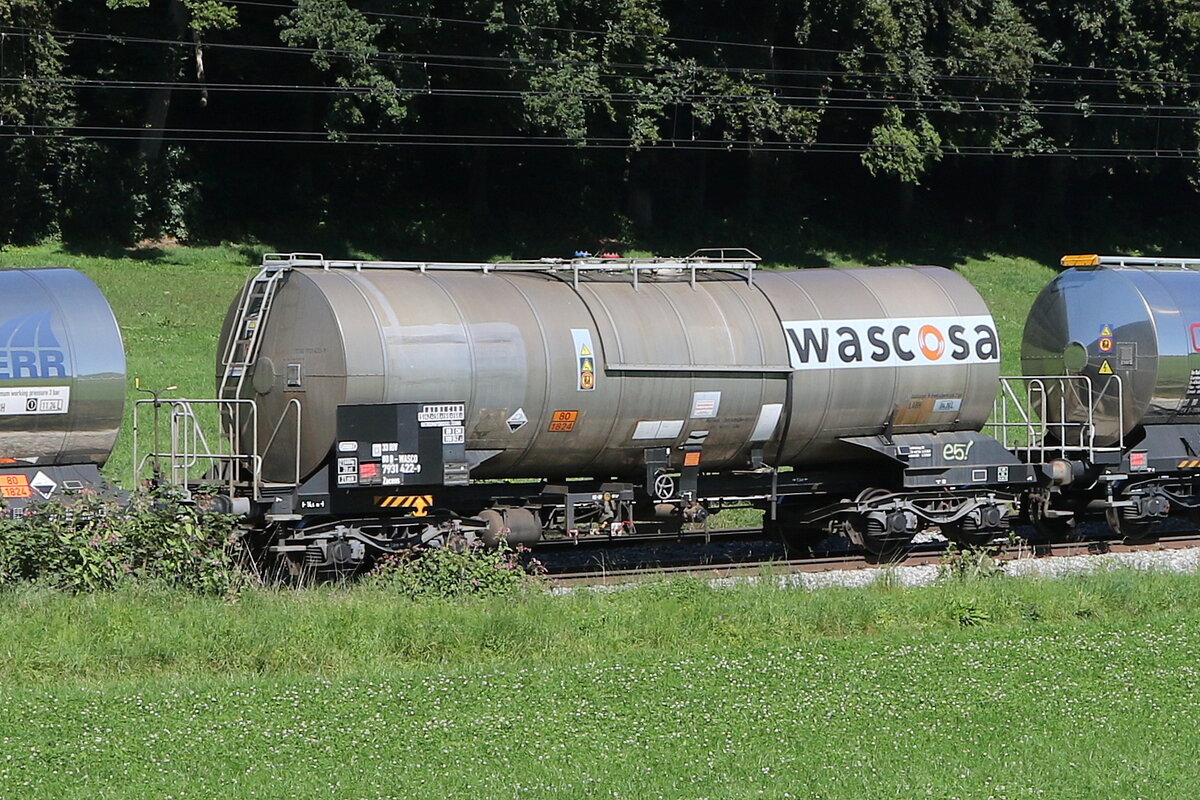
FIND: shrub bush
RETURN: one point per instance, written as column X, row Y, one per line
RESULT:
column 86, row 543
column 446, row 572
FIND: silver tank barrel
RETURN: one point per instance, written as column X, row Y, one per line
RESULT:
column 62, row 368
column 1134, row 331
column 564, row 378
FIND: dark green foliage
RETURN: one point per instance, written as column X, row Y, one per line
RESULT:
column 445, row 572
column 32, row 103
column 517, row 123
column 86, row 543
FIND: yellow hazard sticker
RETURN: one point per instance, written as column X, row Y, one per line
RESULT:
column 418, row 502
column 1105, row 368
column 585, row 359
column 1106, row 330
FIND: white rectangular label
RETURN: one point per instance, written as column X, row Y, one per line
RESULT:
column 670, row 428
column 947, row 404
column 647, row 429
column 768, row 419
column 447, row 412
column 24, row 400
column 898, row 342
column 658, row 429
column 705, row 405
column 454, row 434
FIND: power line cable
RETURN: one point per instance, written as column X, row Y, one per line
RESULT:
column 679, row 39
column 955, row 104
column 100, row 133
column 389, row 57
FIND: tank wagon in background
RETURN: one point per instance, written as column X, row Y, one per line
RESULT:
column 62, row 384
column 371, row 405
column 1118, row 339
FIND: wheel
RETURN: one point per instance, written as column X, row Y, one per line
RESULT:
column 873, row 535
column 978, row 528
column 798, row 540
column 965, row 536
column 1133, row 531
column 1049, row 528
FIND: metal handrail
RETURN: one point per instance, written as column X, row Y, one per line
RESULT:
column 1074, row 436
column 699, row 260
column 1140, row 262
column 189, row 446
column 293, row 403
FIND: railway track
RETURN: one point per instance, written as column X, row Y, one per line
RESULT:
column 923, row 555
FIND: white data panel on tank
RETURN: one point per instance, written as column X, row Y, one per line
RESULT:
column 896, row 342
column 29, row 400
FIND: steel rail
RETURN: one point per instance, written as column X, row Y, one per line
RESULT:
column 931, row 555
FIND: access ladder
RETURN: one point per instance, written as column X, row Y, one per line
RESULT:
column 245, row 341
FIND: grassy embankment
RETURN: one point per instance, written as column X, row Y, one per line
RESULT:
column 1086, row 687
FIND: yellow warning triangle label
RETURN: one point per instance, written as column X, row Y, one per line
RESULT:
column 1106, row 331
column 584, row 350
column 586, row 366
column 1105, row 369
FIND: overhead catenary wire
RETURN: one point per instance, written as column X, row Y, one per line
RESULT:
column 100, row 133
column 894, row 97
column 1087, row 107
column 827, row 99
column 674, row 39
column 506, row 62
column 958, row 105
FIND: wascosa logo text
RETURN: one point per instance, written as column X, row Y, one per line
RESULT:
column 913, row 341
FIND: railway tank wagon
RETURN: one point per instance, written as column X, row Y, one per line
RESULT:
column 62, row 384
column 1118, row 339
column 368, row 400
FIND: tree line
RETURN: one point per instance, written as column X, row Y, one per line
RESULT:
column 421, row 123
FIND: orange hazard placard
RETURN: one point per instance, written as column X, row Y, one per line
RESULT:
column 15, row 486
column 562, row 421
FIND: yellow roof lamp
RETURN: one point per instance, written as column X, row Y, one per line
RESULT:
column 1093, row 261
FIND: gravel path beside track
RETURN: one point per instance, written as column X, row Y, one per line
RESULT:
column 1179, row 560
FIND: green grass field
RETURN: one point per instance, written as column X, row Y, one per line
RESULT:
column 170, row 304
column 1081, row 688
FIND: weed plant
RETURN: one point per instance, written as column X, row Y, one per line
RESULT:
column 86, row 543
column 970, row 563
column 448, row 572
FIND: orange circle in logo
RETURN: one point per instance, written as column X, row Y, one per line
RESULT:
column 932, row 343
